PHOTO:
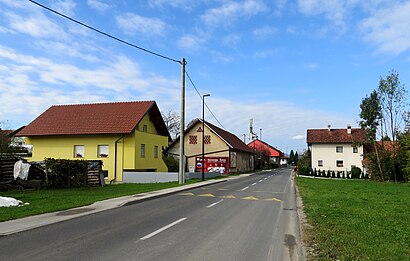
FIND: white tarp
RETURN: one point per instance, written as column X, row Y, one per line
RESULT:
column 10, row 202
column 21, row 170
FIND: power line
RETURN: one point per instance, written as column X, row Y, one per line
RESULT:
column 106, row 34
column 200, row 96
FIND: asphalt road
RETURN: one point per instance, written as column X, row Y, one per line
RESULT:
column 250, row 218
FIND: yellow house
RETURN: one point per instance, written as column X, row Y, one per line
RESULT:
column 123, row 135
column 224, row 152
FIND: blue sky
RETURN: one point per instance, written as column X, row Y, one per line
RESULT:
column 289, row 65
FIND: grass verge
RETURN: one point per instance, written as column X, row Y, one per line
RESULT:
column 50, row 200
column 357, row 220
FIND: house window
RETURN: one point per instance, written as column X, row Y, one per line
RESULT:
column 339, row 163
column 320, row 163
column 78, row 151
column 193, row 139
column 145, row 128
column 355, row 150
column 207, row 139
column 142, row 150
column 339, row 149
column 155, row 151
column 102, row 151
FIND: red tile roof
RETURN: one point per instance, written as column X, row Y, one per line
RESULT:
column 98, row 118
column 232, row 140
column 335, row 136
column 259, row 146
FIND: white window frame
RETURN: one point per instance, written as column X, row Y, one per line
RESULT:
column 355, row 149
column 142, row 152
column 320, row 163
column 78, row 151
column 337, row 161
column 339, row 149
column 156, row 152
column 103, row 151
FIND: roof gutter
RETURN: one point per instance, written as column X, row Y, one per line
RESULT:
column 115, row 159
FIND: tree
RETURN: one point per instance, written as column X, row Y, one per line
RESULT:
column 292, row 157
column 296, row 158
column 392, row 95
column 304, row 164
column 172, row 121
column 394, row 103
column 371, row 114
column 404, row 155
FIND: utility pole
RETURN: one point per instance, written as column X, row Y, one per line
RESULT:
column 181, row 173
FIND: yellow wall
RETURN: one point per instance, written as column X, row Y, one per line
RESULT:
column 196, row 149
column 62, row 147
column 128, row 149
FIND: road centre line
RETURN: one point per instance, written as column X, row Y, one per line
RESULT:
column 163, row 228
column 253, row 184
column 216, row 203
column 244, row 188
column 260, row 180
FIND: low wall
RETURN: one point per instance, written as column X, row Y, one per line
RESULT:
column 160, row 177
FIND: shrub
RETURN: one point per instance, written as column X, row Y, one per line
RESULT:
column 63, row 173
column 171, row 162
column 356, row 172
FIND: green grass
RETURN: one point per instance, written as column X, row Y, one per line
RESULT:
column 357, row 220
column 50, row 200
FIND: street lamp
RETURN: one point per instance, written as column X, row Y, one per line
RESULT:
column 203, row 134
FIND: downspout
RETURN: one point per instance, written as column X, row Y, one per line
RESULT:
column 115, row 159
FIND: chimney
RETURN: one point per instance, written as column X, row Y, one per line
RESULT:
column 328, row 127
column 349, row 129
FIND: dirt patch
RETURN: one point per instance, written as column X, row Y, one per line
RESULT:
column 307, row 231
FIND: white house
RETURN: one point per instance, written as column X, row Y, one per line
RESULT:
column 336, row 149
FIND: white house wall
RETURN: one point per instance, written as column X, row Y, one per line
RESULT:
column 327, row 153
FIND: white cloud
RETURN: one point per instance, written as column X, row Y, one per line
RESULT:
column 231, row 39
column 312, row 66
column 29, row 84
column 231, row 11
column 181, row 4
column 98, row 5
column 388, row 29
column 298, row 137
column 65, row 7
column 264, row 32
column 132, row 23
column 192, row 42
column 334, row 10
column 281, row 122
column 36, row 25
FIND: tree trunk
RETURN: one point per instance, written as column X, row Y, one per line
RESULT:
column 378, row 160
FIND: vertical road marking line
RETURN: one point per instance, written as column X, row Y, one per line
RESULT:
column 244, row 188
column 216, row 203
column 163, row 228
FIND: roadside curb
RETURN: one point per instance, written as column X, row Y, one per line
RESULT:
column 31, row 222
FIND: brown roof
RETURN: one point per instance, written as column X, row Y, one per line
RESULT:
column 232, row 140
column 98, row 118
column 335, row 136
